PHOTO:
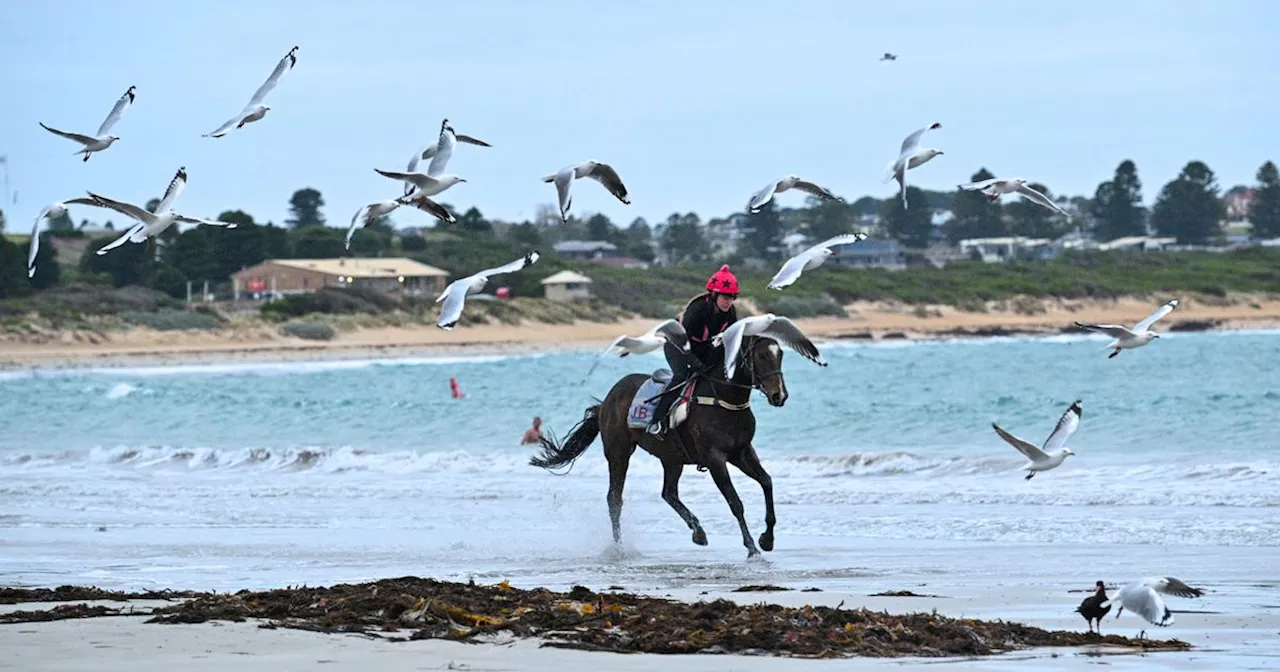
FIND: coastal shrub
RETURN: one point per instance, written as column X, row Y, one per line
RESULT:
column 169, row 319
column 330, row 301
column 801, row 306
column 312, row 331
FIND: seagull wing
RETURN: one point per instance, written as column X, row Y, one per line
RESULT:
column 430, row 207
column 454, row 296
column 564, row 191
column 913, row 141
column 982, row 184
column 1144, row 601
column 606, row 175
column 1039, row 198
column 137, row 228
column 444, row 151
column 1034, row 454
column 1171, row 586
column 473, row 141
column 791, row 270
column 82, row 139
column 811, row 188
column 1066, row 426
column 1160, row 312
column 842, row 239
column 285, row 65
column 116, row 112
column 176, row 185
column 416, row 179
column 355, row 219
column 1112, row 330
column 785, row 331
column 178, row 217
column 35, row 241
column 674, row 332
column 413, row 165
column 615, row 344
column 732, row 340
column 761, row 197
column 126, row 209
column 512, row 267
column 225, row 127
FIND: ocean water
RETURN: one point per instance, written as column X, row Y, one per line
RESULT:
column 886, row 470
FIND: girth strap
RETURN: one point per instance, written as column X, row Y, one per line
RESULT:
column 714, row 401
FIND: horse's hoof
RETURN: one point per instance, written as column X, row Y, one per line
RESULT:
column 766, row 541
column 754, row 554
column 700, row 537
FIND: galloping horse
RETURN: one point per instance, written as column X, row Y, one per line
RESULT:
column 716, row 432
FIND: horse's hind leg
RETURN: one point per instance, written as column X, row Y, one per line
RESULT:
column 618, row 452
column 749, row 462
column 671, row 470
column 720, row 474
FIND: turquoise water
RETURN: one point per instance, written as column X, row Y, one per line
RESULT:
column 239, row 475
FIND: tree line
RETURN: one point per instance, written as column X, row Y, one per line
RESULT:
column 1189, row 208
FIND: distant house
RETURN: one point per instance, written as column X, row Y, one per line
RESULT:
column 871, row 254
column 275, row 277
column 621, row 262
column 1239, row 202
column 1138, row 243
column 586, row 249
column 1006, row 248
column 567, row 286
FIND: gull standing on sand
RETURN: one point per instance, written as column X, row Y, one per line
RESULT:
column 811, row 259
column 50, row 212
column 911, row 155
column 996, row 187
column 435, row 180
column 1054, row 452
column 372, row 212
column 151, row 224
column 101, row 140
column 600, row 172
column 455, row 295
column 430, row 152
column 760, row 198
column 770, row 326
column 1142, row 597
column 255, row 110
column 1127, row 339
column 670, row 331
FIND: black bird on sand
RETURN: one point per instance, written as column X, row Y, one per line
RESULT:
column 1091, row 608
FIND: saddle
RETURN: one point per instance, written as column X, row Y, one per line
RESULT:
column 645, row 401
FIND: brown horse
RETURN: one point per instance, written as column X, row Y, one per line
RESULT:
column 716, row 432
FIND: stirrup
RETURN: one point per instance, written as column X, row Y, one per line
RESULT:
column 658, row 429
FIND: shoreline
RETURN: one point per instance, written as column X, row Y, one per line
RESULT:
column 867, row 321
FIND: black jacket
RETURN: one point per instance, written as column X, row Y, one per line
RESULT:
column 702, row 321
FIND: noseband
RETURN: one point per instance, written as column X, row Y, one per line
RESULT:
column 756, row 379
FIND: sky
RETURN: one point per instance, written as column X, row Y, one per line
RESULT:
column 696, row 104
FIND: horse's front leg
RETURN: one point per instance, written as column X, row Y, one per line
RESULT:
column 748, row 462
column 671, row 470
column 719, row 469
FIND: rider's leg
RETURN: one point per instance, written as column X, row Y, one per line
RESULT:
column 679, row 373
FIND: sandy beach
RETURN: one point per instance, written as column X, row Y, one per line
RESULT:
column 867, row 320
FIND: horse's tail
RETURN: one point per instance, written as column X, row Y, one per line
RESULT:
column 556, row 455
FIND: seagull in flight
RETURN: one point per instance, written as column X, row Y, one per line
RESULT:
column 431, row 150
column 1055, row 450
column 372, row 212
column 1142, row 597
column 780, row 329
column 102, row 139
column 889, row 57
column 760, row 198
column 435, row 180
column 670, row 331
column 455, row 295
column 600, row 172
column 1138, row 336
column 255, row 110
column 50, row 212
column 996, row 187
column 151, row 224
column 811, row 259
column 910, row 156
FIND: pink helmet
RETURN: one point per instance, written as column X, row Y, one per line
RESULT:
column 723, row 282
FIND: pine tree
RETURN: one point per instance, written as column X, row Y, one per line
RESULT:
column 1189, row 207
column 912, row 227
column 973, row 215
column 1035, row 221
column 305, row 206
column 1265, row 211
column 1117, row 205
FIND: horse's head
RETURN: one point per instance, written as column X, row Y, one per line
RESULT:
column 764, row 365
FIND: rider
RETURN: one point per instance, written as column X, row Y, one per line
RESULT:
column 705, row 316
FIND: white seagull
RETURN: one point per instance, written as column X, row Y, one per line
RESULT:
column 456, row 293
column 1055, row 450
column 151, row 224
column 435, row 180
column 1127, row 339
column 996, row 187
column 255, row 110
column 1142, row 597
column 911, row 155
column 811, row 259
column 372, row 212
column 670, row 331
column 430, row 151
column 50, row 212
column 101, row 140
column 760, row 198
column 768, row 325
column 600, row 172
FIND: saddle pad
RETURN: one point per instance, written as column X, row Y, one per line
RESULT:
column 640, row 413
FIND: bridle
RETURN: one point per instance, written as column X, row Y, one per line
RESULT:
column 748, row 361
